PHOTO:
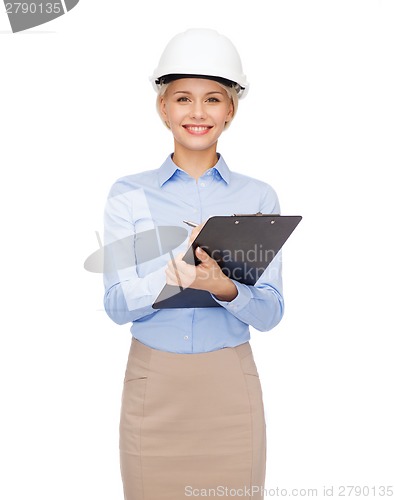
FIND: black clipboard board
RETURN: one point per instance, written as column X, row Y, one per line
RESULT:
column 243, row 245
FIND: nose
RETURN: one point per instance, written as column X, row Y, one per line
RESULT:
column 198, row 111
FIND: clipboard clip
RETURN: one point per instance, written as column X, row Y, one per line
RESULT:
column 242, row 215
column 254, row 215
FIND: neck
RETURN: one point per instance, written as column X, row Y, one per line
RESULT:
column 195, row 163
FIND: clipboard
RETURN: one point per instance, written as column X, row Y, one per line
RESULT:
column 243, row 245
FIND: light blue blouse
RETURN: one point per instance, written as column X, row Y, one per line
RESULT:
column 165, row 197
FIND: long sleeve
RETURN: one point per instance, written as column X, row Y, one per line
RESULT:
column 127, row 295
column 261, row 305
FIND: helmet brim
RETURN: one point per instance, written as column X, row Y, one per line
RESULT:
column 177, row 76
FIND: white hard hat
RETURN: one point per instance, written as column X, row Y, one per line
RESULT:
column 201, row 53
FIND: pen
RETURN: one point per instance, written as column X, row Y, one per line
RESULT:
column 192, row 224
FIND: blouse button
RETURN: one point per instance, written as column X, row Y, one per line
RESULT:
column 186, row 337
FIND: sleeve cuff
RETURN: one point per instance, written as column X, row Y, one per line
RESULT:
column 241, row 300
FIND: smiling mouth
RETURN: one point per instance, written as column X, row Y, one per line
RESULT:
column 198, row 129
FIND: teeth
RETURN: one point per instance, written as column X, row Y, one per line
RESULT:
column 197, row 129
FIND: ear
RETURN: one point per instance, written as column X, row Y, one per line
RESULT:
column 162, row 108
column 230, row 112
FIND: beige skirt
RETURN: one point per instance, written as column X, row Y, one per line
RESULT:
column 192, row 425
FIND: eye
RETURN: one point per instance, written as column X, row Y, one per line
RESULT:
column 182, row 99
column 213, row 99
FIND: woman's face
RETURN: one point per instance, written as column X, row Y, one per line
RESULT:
column 196, row 111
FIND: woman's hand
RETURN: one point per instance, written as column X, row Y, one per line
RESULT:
column 206, row 276
column 195, row 231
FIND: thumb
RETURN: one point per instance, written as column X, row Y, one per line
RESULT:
column 202, row 255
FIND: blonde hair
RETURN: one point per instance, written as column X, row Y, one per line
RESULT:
column 231, row 92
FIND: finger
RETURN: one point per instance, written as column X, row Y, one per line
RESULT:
column 202, row 254
column 169, row 277
column 192, row 236
column 174, row 262
column 177, row 266
column 195, row 231
column 172, row 276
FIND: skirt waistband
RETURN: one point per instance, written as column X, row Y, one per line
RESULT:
column 145, row 353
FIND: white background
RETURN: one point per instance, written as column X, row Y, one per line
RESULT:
column 77, row 112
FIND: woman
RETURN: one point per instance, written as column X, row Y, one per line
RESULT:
column 192, row 416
